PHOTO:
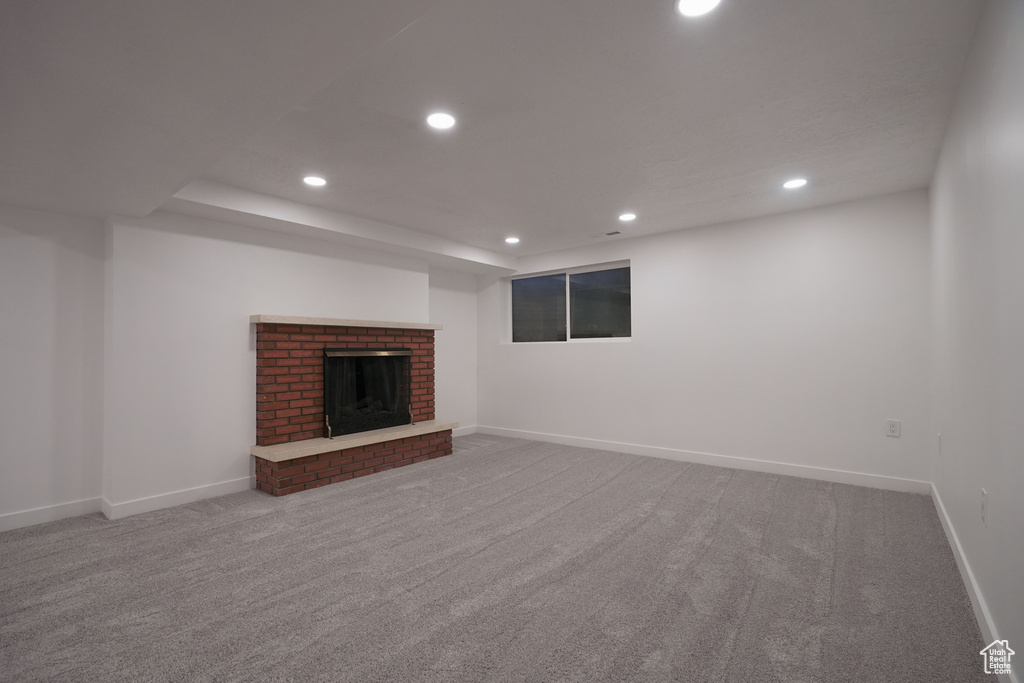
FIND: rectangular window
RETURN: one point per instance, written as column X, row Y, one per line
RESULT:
column 538, row 308
column 598, row 306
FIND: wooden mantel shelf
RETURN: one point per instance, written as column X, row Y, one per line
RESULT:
column 338, row 322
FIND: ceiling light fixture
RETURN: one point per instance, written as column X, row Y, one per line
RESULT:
column 794, row 183
column 440, row 120
column 314, row 181
column 695, row 8
column 627, row 217
column 512, row 240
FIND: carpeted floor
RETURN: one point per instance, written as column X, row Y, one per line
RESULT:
column 508, row 561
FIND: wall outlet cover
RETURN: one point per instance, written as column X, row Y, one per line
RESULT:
column 892, row 428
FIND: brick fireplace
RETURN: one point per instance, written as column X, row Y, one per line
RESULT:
column 292, row 452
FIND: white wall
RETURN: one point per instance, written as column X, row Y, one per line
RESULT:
column 978, row 210
column 180, row 410
column 788, row 339
column 51, row 336
column 453, row 304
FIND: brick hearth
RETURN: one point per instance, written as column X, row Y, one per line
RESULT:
column 312, row 471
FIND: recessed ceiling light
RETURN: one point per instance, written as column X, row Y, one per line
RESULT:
column 695, row 8
column 314, row 180
column 440, row 120
column 627, row 217
column 512, row 240
column 794, row 183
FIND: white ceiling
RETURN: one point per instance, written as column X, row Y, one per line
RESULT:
column 570, row 111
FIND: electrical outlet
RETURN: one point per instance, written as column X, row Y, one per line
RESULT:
column 984, row 507
column 892, row 428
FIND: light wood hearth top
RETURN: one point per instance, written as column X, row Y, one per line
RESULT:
column 339, row 322
column 300, row 449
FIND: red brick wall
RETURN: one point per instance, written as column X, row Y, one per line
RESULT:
column 290, row 374
column 312, row 471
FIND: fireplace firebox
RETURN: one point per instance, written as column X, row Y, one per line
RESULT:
column 366, row 389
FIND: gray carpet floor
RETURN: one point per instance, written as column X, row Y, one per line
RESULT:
column 509, row 560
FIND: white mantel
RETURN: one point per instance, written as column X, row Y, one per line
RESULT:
column 339, row 322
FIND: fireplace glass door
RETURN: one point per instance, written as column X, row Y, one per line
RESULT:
column 366, row 389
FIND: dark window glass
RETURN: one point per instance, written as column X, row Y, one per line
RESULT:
column 538, row 308
column 365, row 392
column 599, row 304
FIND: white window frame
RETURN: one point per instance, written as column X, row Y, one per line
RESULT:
column 507, row 299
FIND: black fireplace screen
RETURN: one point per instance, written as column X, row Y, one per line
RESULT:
column 366, row 389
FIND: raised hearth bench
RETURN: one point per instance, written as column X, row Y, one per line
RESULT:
column 292, row 451
column 300, row 465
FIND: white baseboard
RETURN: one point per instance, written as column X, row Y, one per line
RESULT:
column 804, row 471
column 464, row 431
column 50, row 513
column 166, row 500
column 981, row 611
